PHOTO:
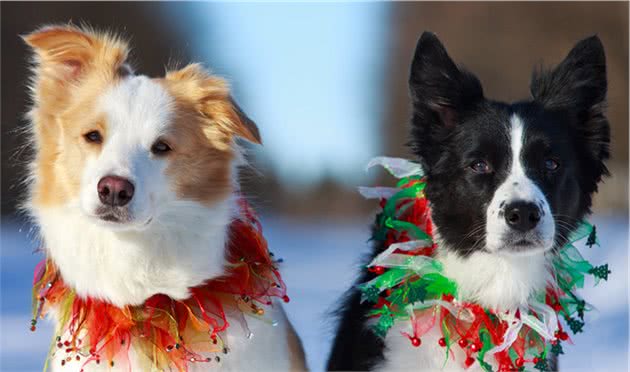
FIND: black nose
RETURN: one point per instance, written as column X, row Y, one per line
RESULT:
column 522, row 216
column 115, row 191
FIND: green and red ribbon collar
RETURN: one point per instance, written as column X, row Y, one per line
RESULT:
column 410, row 286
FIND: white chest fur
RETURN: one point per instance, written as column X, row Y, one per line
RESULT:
column 174, row 253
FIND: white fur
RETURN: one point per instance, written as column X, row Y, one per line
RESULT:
column 166, row 246
column 181, row 248
column 138, row 112
column 518, row 187
column 496, row 281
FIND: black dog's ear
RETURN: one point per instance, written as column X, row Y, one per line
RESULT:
column 577, row 87
column 441, row 93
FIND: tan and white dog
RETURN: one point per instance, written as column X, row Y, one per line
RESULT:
column 134, row 180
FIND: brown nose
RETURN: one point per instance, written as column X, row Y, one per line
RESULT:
column 115, row 191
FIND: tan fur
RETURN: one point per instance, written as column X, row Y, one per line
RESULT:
column 199, row 167
column 210, row 96
column 206, row 123
column 74, row 66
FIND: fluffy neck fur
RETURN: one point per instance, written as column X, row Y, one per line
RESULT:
column 492, row 280
column 182, row 247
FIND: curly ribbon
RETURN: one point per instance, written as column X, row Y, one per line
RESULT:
column 511, row 334
column 546, row 321
column 389, row 259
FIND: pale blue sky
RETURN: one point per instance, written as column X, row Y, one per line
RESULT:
column 311, row 75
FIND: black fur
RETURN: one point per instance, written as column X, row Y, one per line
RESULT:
column 453, row 125
column 356, row 348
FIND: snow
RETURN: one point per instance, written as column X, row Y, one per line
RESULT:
column 321, row 260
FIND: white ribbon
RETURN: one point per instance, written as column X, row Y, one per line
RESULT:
column 549, row 324
column 398, row 167
column 387, row 258
column 511, row 334
column 460, row 313
column 377, row 192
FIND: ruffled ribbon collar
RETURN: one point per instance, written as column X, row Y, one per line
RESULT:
column 170, row 334
column 410, row 286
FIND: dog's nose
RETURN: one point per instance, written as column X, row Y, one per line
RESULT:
column 115, row 191
column 522, row 216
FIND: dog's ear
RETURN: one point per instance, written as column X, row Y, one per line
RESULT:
column 577, row 87
column 210, row 97
column 64, row 55
column 441, row 93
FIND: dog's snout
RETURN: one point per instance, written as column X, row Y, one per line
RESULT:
column 115, row 191
column 522, row 216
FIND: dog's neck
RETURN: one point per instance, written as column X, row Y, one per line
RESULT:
column 178, row 250
column 495, row 281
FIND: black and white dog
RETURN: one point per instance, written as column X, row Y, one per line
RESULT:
column 507, row 183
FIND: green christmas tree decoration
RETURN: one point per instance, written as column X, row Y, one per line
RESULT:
column 541, row 364
column 556, row 348
column 580, row 306
column 417, row 293
column 371, row 293
column 600, row 272
column 576, row 325
column 592, row 238
column 385, row 322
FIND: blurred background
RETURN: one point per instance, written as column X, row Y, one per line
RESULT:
column 327, row 85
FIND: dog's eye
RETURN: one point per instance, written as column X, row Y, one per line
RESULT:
column 552, row 165
column 93, row 137
column 160, row 148
column 480, row 166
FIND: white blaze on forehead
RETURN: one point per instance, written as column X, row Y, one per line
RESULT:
column 516, row 143
column 137, row 111
column 139, row 106
column 517, row 187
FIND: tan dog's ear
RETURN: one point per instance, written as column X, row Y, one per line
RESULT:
column 69, row 50
column 210, row 96
column 64, row 51
column 66, row 54
column 247, row 128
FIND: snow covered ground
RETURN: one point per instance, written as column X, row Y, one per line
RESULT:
column 320, row 262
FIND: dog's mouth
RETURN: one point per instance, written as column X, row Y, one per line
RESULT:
column 114, row 215
column 523, row 246
column 110, row 218
column 120, row 218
